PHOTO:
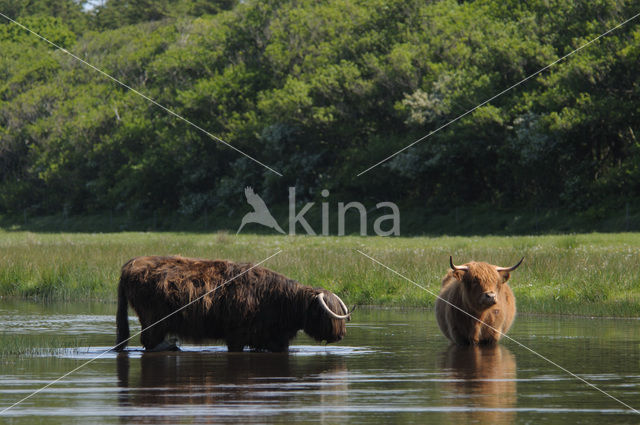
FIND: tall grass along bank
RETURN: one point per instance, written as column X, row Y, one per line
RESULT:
column 585, row 274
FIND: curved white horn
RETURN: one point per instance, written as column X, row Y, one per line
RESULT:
column 331, row 313
column 509, row 269
column 344, row 307
column 454, row 267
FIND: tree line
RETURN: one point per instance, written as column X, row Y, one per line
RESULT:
column 318, row 91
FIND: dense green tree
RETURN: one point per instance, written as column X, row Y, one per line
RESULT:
column 68, row 11
column 117, row 13
column 319, row 91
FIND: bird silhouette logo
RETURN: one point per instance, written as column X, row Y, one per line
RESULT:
column 260, row 213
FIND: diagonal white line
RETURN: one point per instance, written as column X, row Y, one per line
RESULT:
column 132, row 336
column 499, row 94
column 214, row 137
column 504, row 335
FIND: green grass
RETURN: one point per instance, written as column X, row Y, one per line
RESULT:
column 33, row 345
column 584, row 274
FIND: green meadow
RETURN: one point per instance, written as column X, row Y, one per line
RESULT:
column 581, row 274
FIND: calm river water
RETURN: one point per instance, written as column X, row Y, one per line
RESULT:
column 394, row 366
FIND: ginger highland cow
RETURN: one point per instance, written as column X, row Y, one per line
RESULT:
column 476, row 305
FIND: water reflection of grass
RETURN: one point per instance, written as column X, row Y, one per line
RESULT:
column 34, row 344
column 590, row 274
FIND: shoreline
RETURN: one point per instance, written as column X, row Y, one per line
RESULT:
column 585, row 275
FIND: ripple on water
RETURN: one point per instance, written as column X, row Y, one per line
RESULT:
column 88, row 353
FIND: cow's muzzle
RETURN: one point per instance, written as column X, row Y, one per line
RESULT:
column 489, row 298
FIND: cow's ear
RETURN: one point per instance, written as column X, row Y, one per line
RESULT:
column 505, row 276
column 458, row 274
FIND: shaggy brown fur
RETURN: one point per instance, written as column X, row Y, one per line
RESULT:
column 261, row 309
column 472, row 292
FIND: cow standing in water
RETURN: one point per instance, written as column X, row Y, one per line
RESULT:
column 244, row 306
column 476, row 304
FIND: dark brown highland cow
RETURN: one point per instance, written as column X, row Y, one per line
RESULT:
column 260, row 308
column 481, row 290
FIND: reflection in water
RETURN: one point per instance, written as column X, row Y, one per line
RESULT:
column 483, row 378
column 215, row 385
column 387, row 374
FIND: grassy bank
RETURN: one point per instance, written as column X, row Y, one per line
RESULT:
column 588, row 274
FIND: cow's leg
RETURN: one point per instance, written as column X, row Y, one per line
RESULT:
column 492, row 337
column 152, row 337
column 235, row 348
column 234, row 345
column 278, row 345
column 169, row 343
column 477, row 331
column 459, row 336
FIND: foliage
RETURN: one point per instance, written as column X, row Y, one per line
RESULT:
column 319, row 91
column 117, row 13
column 68, row 11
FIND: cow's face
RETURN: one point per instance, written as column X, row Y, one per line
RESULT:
column 321, row 325
column 482, row 284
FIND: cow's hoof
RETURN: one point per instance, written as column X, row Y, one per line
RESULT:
column 166, row 345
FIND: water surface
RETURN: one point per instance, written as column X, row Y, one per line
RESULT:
column 394, row 366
